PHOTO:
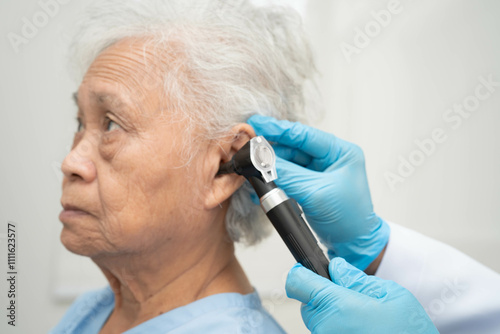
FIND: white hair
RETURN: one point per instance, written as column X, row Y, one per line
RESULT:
column 232, row 60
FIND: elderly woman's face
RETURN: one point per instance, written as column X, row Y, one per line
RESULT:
column 124, row 189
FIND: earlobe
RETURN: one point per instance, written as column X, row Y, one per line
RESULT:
column 222, row 187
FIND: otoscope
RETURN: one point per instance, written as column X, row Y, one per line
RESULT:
column 256, row 161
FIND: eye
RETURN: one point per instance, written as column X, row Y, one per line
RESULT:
column 112, row 125
column 80, row 126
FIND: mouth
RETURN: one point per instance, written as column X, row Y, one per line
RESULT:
column 71, row 212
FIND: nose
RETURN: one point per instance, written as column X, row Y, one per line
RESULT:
column 78, row 164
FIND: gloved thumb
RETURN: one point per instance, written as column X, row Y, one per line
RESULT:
column 303, row 285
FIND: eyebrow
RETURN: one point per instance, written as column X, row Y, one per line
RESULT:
column 102, row 98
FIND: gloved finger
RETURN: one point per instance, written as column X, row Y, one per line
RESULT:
column 325, row 148
column 296, row 180
column 295, row 135
column 301, row 158
column 348, row 276
column 304, row 285
column 293, row 155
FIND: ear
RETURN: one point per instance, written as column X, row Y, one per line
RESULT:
column 221, row 187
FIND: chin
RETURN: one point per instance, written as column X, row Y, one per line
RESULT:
column 78, row 244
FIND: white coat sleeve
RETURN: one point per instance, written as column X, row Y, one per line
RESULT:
column 459, row 294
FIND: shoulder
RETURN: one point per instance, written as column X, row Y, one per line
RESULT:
column 230, row 313
column 249, row 317
column 235, row 313
column 87, row 308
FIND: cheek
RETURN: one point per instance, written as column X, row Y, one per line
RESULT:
column 121, row 196
column 146, row 198
column 143, row 206
column 112, row 144
column 125, row 209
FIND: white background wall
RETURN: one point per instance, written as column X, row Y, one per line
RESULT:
column 394, row 92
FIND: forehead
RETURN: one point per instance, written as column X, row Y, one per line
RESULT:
column 127, row 58
column 126, row 68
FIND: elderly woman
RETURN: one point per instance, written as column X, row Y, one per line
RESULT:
column 166, row 89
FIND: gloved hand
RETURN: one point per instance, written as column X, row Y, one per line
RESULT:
column 355, row 302
column 326, row 176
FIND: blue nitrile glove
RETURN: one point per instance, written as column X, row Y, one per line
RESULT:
column 354, row 302
column 327, row 177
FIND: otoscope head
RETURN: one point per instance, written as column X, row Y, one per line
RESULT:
column 255, row 159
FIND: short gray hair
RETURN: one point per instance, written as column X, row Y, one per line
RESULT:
column 235, row 60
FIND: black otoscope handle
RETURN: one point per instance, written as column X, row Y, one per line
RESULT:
column 288, row 219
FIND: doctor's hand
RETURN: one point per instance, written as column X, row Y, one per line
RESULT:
column 326, row 176
column 354, row 302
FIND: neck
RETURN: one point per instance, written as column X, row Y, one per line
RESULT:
column 147, row 285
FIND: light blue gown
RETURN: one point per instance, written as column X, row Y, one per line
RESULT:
column 221, row 313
